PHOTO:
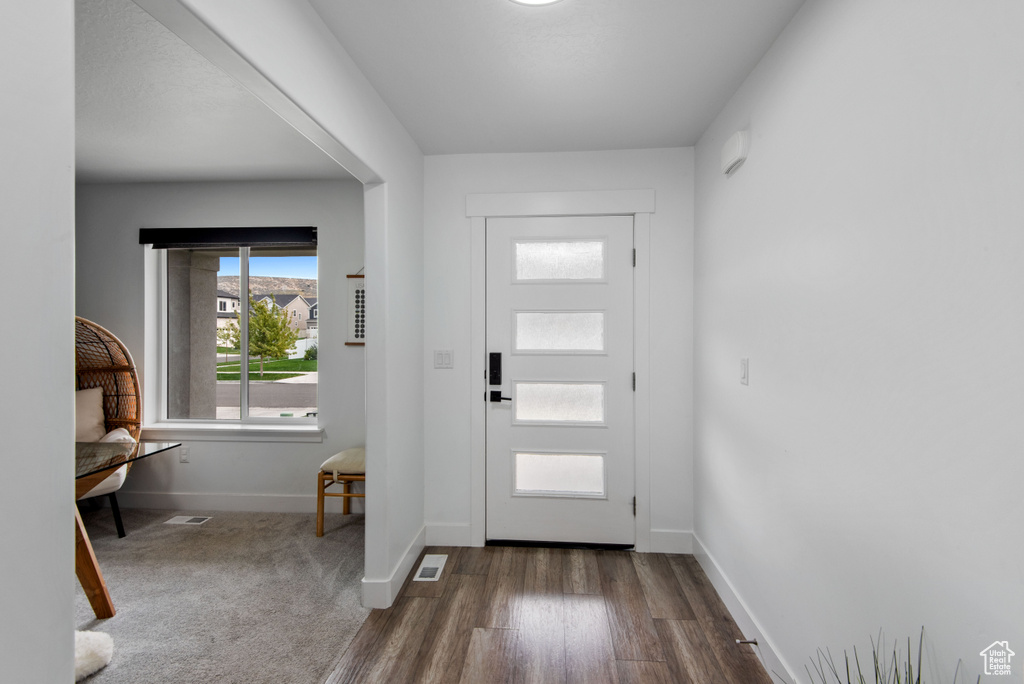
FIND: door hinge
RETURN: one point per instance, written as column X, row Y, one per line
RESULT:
column 634, row 258
column 634, row 382
column 634, row 506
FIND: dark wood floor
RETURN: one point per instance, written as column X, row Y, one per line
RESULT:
column 504, row 614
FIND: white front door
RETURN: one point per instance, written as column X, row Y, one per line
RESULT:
column 560, row 434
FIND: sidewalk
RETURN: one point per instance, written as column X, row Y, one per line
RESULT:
column 232, row 412
column 310, row 378
column 304, row 378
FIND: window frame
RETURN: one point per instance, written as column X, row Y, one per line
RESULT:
column 156, row 424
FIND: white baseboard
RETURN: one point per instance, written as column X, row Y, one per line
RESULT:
column 748, row 624
column 671, row 541
column 449, row 534
column 381, row 593
column 262, row 503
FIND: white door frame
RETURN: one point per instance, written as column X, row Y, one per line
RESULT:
column 636, row 203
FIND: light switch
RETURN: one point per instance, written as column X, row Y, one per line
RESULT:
column 443, row 358
column 744, row 371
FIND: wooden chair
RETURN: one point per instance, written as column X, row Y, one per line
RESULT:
column 101, row 360
column 344, row 468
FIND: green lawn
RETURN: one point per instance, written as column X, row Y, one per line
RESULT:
column 273, row 370
column 287, row 365
column 226, row 350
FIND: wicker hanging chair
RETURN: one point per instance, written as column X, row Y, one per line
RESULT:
column 101, row 360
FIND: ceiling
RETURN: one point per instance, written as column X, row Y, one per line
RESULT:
column 463, row 76
column 495, row 76
column 151, row 108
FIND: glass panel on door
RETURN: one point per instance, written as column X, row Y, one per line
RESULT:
column 554, row 402
column 559, row 331
column 548, row 260
column 559, row 474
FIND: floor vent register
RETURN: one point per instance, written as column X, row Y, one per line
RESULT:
column 430, row 568
column 187, row 520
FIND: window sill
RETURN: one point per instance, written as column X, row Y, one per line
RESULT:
column 232, row 432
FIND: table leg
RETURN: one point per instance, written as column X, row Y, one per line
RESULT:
column 88, row 571
column 320, row 504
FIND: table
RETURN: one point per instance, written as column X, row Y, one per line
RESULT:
column 93, row 463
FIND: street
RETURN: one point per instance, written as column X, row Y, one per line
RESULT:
column 269, row 394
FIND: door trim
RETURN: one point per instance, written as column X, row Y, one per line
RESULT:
column 637, row 203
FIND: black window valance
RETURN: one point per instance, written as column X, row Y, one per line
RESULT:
column 194, row 238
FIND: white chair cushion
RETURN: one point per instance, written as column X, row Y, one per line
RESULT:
column 118, row 435
column 348, row 462
column 111, row 484
column 89, row 418
column 113, row 481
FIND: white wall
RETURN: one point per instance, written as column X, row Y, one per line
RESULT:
column 37, row 128
column 110, row 290
column 867, row 259
column 330, row 100
column 450, row 395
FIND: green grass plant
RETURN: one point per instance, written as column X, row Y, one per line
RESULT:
column 882, row 669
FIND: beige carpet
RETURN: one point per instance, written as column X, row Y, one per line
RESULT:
column 245, row 597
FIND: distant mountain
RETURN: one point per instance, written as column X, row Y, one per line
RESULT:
column 261, row 285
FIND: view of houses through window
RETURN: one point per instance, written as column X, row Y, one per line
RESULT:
column 209, row 326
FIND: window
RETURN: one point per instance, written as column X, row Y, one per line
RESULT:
column 208, row 376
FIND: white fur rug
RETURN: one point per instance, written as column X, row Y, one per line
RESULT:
column 93, row 650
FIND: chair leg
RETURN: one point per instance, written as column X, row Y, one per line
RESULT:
column 117, row 514
column 320, row 504
column 347, row 488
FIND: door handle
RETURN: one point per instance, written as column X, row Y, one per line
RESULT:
column 497, row 398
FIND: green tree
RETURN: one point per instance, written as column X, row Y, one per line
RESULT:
column 270, row 336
